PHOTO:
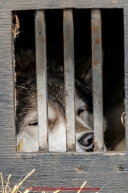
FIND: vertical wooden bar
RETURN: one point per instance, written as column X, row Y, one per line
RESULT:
column 69, row 77
column 41, row 72
column 126, row 72
column 97, row 79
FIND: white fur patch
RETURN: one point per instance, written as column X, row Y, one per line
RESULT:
column 57, row 138
column 30, row 139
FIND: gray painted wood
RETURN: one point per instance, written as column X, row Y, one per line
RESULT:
column 97, row 79
column 68, row 170
column 41, row 74
column 69, row 77
column 7, row 126
column 50, row 4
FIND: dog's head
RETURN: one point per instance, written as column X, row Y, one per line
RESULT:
column 26, row 108
column 27, row 116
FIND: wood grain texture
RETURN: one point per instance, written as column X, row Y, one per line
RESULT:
column 7, row 126
column 69, row 78
column 50, row 4
column 41, row 75
column 68, row 170
column 97, row 79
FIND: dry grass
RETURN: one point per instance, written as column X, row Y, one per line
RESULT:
column 15, row 25
column 7, row 189
column 6, row 184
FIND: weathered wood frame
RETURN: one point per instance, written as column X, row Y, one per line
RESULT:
column 65, row 169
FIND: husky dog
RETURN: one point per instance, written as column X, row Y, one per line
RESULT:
column 26, row 103
column 26, row 108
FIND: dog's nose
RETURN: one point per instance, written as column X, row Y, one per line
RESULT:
column 87, row 142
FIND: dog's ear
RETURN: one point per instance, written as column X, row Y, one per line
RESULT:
column 83, row 71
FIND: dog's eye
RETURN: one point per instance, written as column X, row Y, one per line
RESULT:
column 51, row 124
column 81, row 110
column 33, row 123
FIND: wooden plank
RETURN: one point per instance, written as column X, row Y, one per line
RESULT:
column 69, row 77
column 97, row 79
column 67, row 170
column 50, row 4
column 41, row 72
column 7, row 122
column 126, row 72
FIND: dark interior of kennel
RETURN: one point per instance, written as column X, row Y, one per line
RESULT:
column 113, row 54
